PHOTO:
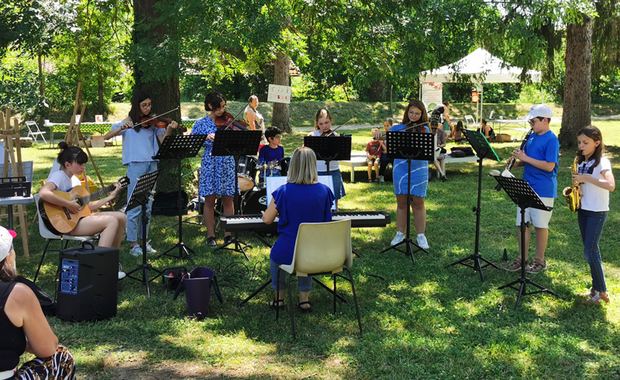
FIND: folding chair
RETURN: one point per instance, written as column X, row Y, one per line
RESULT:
column 471, row 122
column 49, row 236
column 329, row 255
column 37, row 132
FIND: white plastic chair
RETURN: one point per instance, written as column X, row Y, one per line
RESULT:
column 329, row 255
column 36, row 132
column 49, row 236
column 471, row 122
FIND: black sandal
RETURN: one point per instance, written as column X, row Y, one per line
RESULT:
column 305, row 310
column 276, row 304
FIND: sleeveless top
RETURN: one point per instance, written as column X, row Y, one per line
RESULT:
column 13, row 342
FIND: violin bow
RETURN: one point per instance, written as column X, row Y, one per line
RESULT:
column 335, row 129
column 154, row 117
column 416, row 125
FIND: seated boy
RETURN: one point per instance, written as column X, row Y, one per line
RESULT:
column 271, row 154
column 374, row 150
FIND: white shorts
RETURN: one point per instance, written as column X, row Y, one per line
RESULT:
column 539, row 218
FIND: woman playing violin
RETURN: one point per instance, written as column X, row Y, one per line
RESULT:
column 140, row 144
column 217, row 173
column 413, row 121
column 323, row 127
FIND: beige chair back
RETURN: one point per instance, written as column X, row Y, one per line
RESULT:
column 321, row 248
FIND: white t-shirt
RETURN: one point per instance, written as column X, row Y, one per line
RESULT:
column 62, row 181
column 594, row 198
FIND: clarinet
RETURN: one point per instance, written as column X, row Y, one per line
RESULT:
column 512, row 161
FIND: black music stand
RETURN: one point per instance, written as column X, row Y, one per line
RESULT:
column 483, row 150
column 524, row 196
column 334, row 148
column 410, row 146
column 178, row 147
column 236, row 144
column 141, row 195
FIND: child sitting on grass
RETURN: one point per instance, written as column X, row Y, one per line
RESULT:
column 374, row 150
column 271, row 154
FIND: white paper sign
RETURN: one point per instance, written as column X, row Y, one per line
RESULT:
column 279, row 94
column 275, row 182
column 432, row 93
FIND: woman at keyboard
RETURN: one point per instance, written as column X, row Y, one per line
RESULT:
column 301, row 200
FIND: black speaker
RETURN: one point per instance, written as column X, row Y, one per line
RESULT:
column 88, row 284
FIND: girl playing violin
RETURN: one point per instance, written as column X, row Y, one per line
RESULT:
column 217, row 174
column 323, row 127
column 413, row 121
column 140, row 144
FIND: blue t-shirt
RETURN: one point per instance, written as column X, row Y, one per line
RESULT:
column 544, row 147
column 298, row 204
column 139, row 146
column 267, row 154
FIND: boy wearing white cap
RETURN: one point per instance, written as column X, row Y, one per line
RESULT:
column 540, row 157
column 23, row 327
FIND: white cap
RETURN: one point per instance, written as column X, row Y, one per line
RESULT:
column 6, row 242
column 539, row 110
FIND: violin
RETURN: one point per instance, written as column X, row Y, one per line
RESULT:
column 227, row 121
column 331, row 132
column 152, row 120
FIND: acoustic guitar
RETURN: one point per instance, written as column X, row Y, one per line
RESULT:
column 59, row 220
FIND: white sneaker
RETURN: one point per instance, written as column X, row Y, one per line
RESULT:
column 136, row 250
column 150, row 249
column 399, row 237
column 381, row 179
column 422, row 243
column 121, row 274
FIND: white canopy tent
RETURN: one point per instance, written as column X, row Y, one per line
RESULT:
column 482, row 68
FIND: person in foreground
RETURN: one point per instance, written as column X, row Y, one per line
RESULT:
column 596, row 181
column 301, row 200
column 23, row 327
column 413, row 121
column 540, row 156
column 110, row 224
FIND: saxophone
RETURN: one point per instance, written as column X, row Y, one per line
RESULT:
column 573, row 197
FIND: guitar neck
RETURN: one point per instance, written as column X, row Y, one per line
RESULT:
column 97, row 194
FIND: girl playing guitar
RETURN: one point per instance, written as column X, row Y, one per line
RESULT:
column 111, row 224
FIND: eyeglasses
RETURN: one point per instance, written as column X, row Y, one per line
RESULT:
column 532, row 121
column 278, row 137
column 146, row 105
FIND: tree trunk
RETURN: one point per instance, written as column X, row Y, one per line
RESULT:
column 165, row 93
column 577, row 90
column 41, row 83
column 280, row 116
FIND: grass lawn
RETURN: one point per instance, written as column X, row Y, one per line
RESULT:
column 424, row 321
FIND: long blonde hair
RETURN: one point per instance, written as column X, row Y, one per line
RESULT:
column 302, row 168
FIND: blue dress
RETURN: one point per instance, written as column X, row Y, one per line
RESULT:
column 217, row 174
column 419, row 173
column 298, row 204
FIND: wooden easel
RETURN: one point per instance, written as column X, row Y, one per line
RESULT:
column 74, row 134
column 12, row 145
